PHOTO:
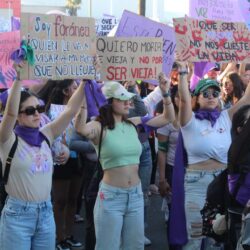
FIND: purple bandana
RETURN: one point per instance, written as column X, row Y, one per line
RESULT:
column 144, row 121
column 210, row 115
column 177, row 233
column 94, row 98
column 30, row 135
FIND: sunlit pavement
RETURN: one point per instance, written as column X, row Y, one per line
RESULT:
column 156, row 230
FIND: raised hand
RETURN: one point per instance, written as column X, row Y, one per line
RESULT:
column 164, row 83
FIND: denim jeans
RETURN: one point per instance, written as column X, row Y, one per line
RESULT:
column 118, row 216
column 27, row 225
column 145, row 170
column 196, row 183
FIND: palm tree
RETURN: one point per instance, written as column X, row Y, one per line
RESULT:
column 73, row 6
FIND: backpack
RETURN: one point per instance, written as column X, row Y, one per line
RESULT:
column 218, row 201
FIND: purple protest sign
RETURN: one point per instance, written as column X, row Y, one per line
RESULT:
column 224, row 10
column 132, row 25
column 200, row 69
column 245, row 11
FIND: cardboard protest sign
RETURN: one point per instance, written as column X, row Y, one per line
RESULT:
column 214, row 41
column 64, row 47
column 105, row 25
column 225, row 10
column 133, row 25
column 9, row 42
column 130, row 58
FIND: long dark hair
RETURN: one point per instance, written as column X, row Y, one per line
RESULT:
column 238, row 88
column 106, row 117
column 25, row 94
column 53, row 92
column 239, row 120
column 45, row 92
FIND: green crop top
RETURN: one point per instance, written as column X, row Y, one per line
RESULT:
column 120, row 147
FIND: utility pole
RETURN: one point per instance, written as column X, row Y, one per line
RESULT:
column 142, row 7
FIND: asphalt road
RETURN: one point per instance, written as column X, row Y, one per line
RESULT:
column 156, row 230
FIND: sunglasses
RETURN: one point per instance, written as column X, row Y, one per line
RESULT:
column 207, row 94
column 32, row 110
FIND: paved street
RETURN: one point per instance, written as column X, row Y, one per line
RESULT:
column 156, row 230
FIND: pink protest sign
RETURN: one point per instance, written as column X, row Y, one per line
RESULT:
column 225, row 10
column 211, row 41
column 9, row 41
column 133, row 25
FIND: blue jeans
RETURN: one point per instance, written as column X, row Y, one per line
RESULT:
column 27, row 225
column 196, row 183
column 118, row 216
column 145, row 170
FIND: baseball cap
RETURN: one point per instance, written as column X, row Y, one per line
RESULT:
column 205, row 84
column 115, row 90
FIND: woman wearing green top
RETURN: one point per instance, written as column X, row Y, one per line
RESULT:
column 118, row 212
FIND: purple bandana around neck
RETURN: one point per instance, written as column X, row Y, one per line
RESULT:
column 30, row 135
column 210, row 115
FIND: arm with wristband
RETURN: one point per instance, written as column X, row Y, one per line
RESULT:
column 168, row 114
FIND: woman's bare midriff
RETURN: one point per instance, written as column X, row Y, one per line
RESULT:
column 124, row 177
column 209, row 165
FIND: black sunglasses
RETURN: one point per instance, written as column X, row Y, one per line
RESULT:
column 32, row 110
column 208, row 93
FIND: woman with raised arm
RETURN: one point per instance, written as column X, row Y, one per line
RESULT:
column 118, row 212
column 206, row 138
column 27, row 220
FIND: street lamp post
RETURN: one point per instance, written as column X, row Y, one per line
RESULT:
column 142, row 7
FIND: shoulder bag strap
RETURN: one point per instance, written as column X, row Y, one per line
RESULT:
column 47, row 141
column 100, row 146
column 9, row 160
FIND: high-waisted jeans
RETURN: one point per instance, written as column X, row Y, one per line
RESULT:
column 118, row 216
column 27, row 225
column 196, row 183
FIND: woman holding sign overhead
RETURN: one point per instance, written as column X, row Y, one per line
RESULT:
column 206, row 137
column 27, row 220
column 118, row 212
